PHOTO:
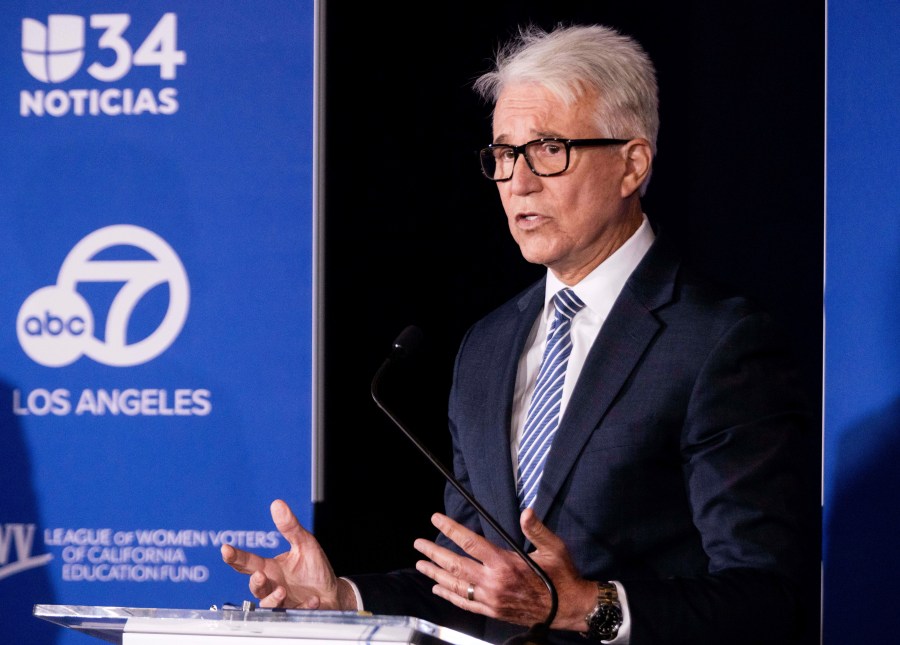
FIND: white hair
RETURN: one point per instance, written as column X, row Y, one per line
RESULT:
column 572, row 61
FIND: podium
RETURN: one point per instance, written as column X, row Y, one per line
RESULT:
column 242, row 626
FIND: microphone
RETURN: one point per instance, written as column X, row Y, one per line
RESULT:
column 404, row 345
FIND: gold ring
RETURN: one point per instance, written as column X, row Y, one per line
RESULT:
column 470, row 592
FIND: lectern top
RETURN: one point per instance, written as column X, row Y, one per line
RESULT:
column 119, row 624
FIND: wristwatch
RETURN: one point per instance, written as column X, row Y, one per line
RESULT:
column 605, row 619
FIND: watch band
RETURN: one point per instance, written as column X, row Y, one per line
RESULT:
column 605, row 619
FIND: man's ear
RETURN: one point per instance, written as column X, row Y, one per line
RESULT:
column 638, row 160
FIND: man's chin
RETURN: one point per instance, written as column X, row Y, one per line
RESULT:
column 537, row 255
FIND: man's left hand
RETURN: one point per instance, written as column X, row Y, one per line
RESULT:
column 497, row 583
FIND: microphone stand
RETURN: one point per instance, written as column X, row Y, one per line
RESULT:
column 402, row 347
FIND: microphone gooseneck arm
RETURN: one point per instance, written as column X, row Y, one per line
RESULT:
column 405, row 343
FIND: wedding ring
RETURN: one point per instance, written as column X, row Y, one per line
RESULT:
column 470, row 592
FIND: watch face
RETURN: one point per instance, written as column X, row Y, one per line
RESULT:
column 605, row 621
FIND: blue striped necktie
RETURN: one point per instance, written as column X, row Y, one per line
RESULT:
column 543, row 412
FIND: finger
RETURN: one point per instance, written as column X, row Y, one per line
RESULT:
column 536, row 531
column 260, row 585
column 287, row 524
column 447, row 568
column 274, row 599
column 455, row 584
column 459, row 600
column 469, row 541
column 449, row 587
column 462, row 602
column 241, row 561
column 449, row 563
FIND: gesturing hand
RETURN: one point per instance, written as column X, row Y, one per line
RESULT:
column 502, row 585
column 299, row 578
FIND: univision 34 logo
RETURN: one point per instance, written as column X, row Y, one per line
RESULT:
column 56, row 325
column 54, row 52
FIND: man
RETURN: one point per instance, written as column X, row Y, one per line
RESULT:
column 654, row 474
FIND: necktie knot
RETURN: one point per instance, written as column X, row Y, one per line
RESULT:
column 567, row 304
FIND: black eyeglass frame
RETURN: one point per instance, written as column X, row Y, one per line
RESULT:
column 568, row 144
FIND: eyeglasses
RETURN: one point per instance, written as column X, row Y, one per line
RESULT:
column 545, row 157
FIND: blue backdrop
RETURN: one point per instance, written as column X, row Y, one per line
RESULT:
column 156, row 173
column 862, row 324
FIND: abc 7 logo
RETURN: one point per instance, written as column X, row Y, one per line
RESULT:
column 55, row 324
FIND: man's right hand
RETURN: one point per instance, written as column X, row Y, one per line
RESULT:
column 301, row 578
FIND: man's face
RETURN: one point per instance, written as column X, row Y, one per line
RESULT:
column 573, row 221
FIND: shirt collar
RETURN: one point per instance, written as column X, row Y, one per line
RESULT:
column 600, row 288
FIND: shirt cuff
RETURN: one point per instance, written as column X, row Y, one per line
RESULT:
column 624, row 635
column 356, row 594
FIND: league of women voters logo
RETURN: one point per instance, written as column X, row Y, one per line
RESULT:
column 55, row 324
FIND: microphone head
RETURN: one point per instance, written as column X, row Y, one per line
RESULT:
column 407, row 342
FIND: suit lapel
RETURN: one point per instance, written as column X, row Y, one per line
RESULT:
column 624, row 338
column 496, row 463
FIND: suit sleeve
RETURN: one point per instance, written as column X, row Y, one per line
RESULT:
column 747, row 450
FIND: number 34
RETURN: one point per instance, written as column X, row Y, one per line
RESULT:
column 158, row 48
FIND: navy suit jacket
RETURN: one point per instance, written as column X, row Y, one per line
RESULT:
column 679, row 467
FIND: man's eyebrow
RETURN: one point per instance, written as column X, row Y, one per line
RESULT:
column 543, row 134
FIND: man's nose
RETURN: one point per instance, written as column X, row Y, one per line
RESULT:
column 523, row 180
